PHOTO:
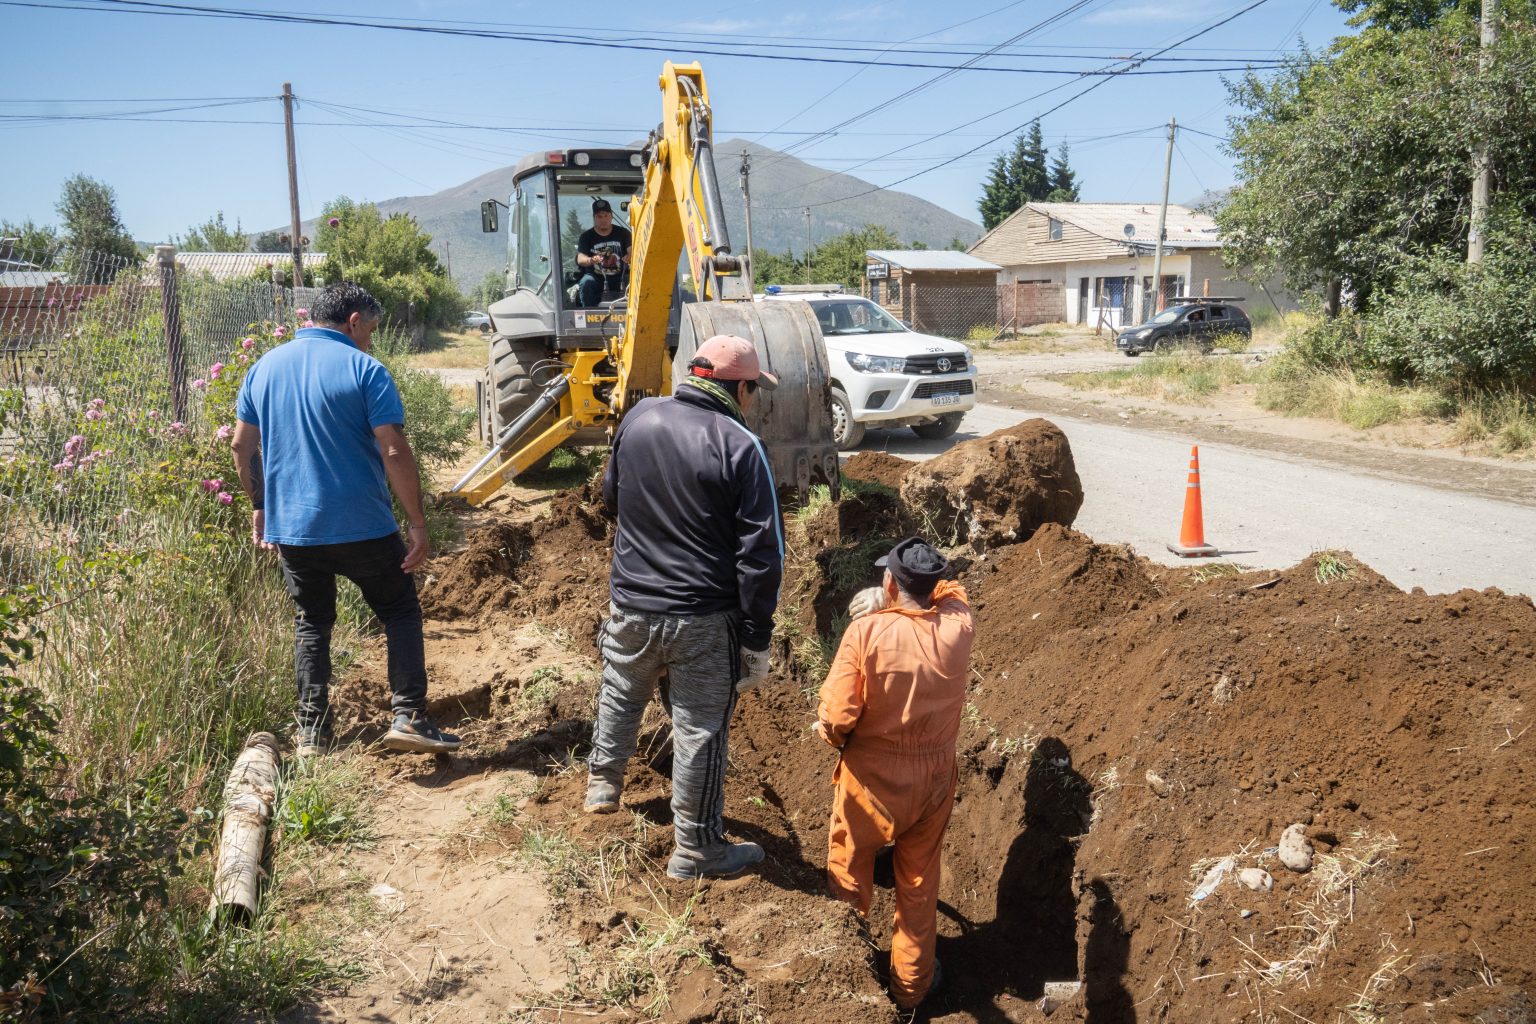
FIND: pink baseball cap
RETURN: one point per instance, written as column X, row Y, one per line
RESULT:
column 727, row 357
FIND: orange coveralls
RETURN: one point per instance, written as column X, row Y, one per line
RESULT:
column 892, row 703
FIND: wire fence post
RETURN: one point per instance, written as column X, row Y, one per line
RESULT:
column 170, row 306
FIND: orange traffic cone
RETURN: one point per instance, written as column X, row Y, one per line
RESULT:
column 1192, row 533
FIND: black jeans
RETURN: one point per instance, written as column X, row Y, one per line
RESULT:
column 310, row 572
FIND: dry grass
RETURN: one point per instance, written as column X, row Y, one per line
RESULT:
column 1362, row 402
column 1183, row 376
column 452, row 349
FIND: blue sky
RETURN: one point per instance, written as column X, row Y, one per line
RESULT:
column 170, row 173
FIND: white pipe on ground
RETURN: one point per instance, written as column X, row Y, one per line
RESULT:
column 249, row 796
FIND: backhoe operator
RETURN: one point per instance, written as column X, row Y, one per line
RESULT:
column 602, row 254
column 698, row 554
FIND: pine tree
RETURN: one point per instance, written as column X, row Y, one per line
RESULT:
column 997, row 195
column 1027, row 167
column 1064, row 188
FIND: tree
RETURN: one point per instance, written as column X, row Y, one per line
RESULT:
column 390, row 256
column 1025, row 175
column 841, row 259
column 1063, row 180
column 213, row 235
column 269, row 241
column 490, row 289
column 88, row 209
column 29, row 242
column 997, row 194
column 776, row 268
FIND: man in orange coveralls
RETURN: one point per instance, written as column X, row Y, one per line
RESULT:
column 892, row 704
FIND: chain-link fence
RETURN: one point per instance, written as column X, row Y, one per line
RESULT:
column 949, row 310
column 105, row 384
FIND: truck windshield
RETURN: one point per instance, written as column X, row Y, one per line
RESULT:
column 861, row 317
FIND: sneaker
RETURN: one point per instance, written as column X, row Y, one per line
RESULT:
column 721, row 860
column 311, row 742
column 418, row 735
column 602, row 796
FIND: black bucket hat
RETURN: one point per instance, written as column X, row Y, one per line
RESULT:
column 915, row 565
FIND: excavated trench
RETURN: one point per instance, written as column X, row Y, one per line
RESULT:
column 1127, row 725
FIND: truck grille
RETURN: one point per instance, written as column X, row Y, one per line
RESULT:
column 929, row 389
column 928, row 364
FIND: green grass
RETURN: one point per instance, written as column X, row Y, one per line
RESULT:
column 1361, row 401
column 1330, row 568
column 1181, row 375
column 323, row 801
column 568, row 468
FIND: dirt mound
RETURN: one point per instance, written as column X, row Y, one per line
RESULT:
column 997, row 489
column 1130, row 731
column 881, row 468
column 554, row 569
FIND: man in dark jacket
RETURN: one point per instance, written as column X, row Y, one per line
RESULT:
column 697, row 559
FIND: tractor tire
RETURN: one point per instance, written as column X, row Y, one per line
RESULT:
column 510, row 388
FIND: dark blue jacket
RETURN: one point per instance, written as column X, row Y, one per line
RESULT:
column 698, row 516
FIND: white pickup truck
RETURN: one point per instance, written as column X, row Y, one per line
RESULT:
column 883, row 373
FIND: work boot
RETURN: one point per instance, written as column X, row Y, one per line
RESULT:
column 602, row 796
column 312, row 741
column 718, row 860
column 416, row 734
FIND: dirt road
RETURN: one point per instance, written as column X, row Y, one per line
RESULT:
column 1270, row 509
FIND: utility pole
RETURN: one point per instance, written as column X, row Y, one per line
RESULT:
column 807, row 245
column 1482, row 163
column 746, row 198
column 295, row 238
column 1162, row 221
column 448, row 256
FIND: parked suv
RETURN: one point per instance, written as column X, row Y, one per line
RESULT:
column 1188, row 323
column 883, row 373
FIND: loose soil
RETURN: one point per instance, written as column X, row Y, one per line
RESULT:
column 1129, row 726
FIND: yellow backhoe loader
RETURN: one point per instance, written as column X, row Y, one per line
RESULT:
column 561, row 373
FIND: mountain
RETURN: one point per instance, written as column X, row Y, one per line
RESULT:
column 781, row 187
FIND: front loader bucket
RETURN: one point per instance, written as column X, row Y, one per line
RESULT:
column 794, row 420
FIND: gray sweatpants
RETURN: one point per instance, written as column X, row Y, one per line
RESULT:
column 702, row 660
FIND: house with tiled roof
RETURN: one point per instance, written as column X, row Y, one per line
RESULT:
column 1091, row 263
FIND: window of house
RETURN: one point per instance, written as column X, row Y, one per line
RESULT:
column 1055, row 228
column 892, row 290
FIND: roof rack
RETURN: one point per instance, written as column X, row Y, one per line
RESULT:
column 1206, row 298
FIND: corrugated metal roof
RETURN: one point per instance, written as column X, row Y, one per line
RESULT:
column 930, row 259
column 1186, row 228
column 225, row 265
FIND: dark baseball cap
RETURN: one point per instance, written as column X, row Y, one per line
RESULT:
column 601, row 206
column 915, row 565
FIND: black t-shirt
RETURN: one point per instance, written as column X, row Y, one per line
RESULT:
column 610, row 250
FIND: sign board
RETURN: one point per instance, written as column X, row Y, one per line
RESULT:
column 877, row 271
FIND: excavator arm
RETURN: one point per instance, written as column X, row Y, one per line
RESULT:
column 678, row 215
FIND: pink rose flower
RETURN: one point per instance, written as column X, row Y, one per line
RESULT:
column 245, row 357
column 334, row 222
column 154, row 414
column 225, row 432
column 178, row 428
column 98, row 403
column 210, row 485
column 200, row 385
column 225, row 498
column 93, row 414
column 309, row 323
column 215, row 370
column 301, row 313
column 278, row 332
column 248, row 343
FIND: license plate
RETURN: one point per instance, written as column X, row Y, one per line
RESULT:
column 946, row 399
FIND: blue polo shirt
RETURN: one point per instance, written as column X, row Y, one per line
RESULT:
column 317, row 400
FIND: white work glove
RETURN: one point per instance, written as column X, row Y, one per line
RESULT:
column 871, row 599
column 754, row 669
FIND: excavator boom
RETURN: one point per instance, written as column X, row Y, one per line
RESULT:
column 677, row 215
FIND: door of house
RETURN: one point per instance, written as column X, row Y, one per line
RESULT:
column 1080, row 315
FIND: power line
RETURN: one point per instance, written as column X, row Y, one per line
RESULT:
column 1075, row 96
column 150, row 7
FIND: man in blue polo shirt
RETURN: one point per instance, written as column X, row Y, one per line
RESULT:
column 319, row 442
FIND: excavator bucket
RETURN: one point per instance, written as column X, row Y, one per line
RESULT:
column 795, row 419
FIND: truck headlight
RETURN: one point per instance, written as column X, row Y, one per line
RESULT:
column 876, row 364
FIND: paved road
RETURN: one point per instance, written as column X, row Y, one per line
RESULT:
column 1270, row 511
